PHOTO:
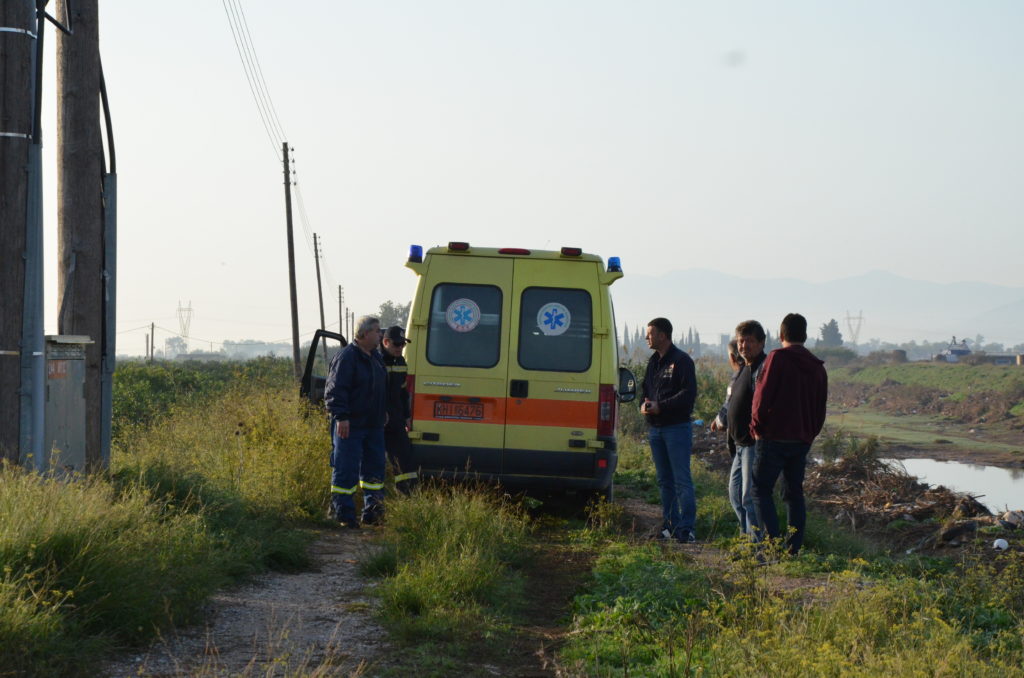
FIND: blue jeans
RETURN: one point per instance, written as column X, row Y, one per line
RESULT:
column 741, row 492
column 358, row 462
column 789, row 459
column 670, row 448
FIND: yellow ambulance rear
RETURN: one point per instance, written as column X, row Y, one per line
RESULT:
column 513, row 366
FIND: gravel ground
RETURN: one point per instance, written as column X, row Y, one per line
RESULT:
column 317, row 622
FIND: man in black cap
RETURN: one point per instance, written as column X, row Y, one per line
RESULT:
column 396, row 432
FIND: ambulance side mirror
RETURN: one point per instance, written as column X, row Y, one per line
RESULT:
column 627, row 386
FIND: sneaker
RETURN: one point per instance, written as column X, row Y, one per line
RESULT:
column 688, row 538
column 664, row 534
column 349, row 524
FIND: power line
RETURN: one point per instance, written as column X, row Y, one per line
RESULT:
column 259, row 69
column 275, row 141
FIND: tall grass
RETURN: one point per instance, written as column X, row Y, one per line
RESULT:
column 210, row 492
column 449, row 560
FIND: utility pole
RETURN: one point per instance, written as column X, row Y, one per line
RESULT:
column 80, row 201
column 291, row 260
column 320, row 292
column 19, row 37
column 152, row 341
column 341, row 310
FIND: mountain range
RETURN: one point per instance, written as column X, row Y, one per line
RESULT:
column 894, row 308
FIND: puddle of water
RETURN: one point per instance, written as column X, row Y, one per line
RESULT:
column 1002, row 487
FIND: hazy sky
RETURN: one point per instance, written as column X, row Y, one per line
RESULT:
column 789, row 139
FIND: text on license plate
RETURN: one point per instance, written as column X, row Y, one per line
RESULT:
column 450, row 410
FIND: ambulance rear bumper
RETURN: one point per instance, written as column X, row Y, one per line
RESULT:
column 527, row 469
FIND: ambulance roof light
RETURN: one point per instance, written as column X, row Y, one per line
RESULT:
column 513, row 250
column 614, row 265
column 458, row 246
column 416, row 254
column 572, row 251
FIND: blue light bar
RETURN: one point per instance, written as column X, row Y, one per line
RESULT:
column 416, row 254
column 614, row 265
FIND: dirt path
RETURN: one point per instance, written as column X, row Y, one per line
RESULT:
column 320, row 622
column 318, row 619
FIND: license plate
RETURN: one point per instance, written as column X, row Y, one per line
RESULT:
column 449, row 410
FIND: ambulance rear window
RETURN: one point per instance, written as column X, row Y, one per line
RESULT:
column 555, row 329
column 465, row 325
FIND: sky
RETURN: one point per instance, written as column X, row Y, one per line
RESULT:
column 803, row 140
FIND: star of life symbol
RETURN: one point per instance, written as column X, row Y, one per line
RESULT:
column 553, row 319
column 463, row 315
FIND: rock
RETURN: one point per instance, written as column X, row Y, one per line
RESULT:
column 909, row 518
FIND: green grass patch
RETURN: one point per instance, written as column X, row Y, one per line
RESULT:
column 650, row 612
column 953, row 378
column 449, row 562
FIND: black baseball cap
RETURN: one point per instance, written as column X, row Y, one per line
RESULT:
column 396, row 335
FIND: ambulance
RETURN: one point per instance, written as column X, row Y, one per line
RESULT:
column 513, row 367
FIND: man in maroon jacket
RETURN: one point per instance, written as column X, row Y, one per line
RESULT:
column 788, row 412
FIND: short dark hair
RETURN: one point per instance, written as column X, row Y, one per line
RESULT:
column 793, row 328
column 662, row 325
column 750, row 327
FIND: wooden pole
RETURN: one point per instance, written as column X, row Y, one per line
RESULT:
column 80, row 200
column 291, row 261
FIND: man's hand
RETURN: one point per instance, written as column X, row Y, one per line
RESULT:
column 341, row 428
column 650, row 407
column 714, row 425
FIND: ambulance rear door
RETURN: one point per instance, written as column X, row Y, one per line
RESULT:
column 461, row 365
column 554, row 369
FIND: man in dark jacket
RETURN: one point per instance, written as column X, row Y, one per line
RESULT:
column 750, row 338
column 355, row 396
column 396, row 432
column 788, row 413
column 670, row 389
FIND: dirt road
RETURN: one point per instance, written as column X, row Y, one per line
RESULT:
column 277, row 623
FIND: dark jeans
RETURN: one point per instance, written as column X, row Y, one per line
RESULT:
column 789, row 459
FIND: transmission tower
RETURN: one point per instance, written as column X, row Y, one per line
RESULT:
column 854, row 329
column 184, row 321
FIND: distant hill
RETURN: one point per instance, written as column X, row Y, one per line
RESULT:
column 895, row 308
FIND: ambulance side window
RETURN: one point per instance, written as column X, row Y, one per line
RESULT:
column 465, row 325
column 555, row 329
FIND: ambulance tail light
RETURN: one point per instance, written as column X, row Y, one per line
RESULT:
column 410, row 385
column 606, row 410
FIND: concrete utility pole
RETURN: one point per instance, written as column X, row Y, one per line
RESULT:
column 18, row 38
column 80, row 201
column 291, row 260
column 320, row 291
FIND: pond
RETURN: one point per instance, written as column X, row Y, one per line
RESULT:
column 1001, row 488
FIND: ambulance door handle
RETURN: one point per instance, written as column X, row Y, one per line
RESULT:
column 519, row 388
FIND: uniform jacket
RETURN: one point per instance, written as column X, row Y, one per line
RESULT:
column 398, row 405
column 789, row 401
column 672, row 383
column 356, row 387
